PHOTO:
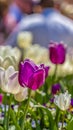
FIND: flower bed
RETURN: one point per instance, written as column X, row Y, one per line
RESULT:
column 36, row 96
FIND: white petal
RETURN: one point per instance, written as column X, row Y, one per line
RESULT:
column 61, row 102
column 2, row 77
column 9, row 72
column 13, row 84
column 1, row 60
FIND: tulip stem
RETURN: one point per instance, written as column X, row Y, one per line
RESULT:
column 8, row 113
column 57, row 116
column 5, row 116
column 55, row 72
column 26, row 110
column 62, row 122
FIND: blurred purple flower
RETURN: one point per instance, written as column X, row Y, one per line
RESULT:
column 57, row 52
column 1, row 98
column 55, row 88
column 52, row 100
column 31, row 75
column 72, row 102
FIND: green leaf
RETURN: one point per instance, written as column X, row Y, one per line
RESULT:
column 67, row 83
column 33, row 116
column 51, row 121
column 70, row 125
column 13, row 116
column 1, row 128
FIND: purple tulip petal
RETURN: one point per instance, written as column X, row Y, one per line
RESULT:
column 46, row 68
column 46, row 71
column 1, row 98
column 72, row 102
column 37, row 79
column 26, row 70
column 61, row 53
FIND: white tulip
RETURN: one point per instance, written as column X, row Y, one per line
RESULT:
column 9, row 80
column 63, row 100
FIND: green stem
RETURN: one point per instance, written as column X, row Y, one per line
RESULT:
column 62, row 122
column 54, row 75
column 57, row 117
column 5, row 114
column 26, row 110
column 8, row 116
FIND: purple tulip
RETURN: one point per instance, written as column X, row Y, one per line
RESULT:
column 57, row 53
column 72, row 102
column 31, row 75
column 1, row 98
column 55, row 88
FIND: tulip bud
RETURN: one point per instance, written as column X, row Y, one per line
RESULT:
column 57, row 53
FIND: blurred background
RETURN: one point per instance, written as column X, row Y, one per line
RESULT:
column 13, row 11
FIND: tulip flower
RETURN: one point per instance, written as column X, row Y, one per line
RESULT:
column 55, row 88
column 63, row 100
column 57, row 53
column 31, row 75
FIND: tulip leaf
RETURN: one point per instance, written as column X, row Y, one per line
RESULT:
column 68, row 82
column 33, row 115
column 70, row 125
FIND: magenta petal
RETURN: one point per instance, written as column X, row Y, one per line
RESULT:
column 61, row 53
column 53, row 55
column 46, row 71
column 1, row 98
column 37, row 79
column 31, row 63
column 46, row 68
column 72, row 102
column 25, row 71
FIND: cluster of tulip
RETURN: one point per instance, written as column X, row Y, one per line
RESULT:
column 43, row 101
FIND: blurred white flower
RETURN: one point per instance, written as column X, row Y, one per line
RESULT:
column 9, row 80
column 8, row 51
column 24, row 39
column 63, row 100
column 37, row 53
column 1, row 60
column 8, row 61
column 62, row 70
column 21, row 96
